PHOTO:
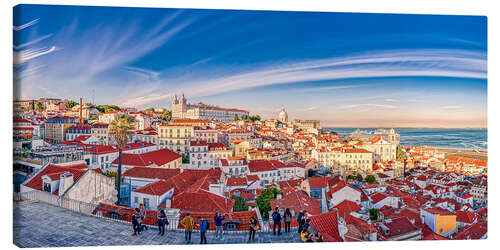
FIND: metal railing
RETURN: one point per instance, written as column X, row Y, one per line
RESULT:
column 124, row 215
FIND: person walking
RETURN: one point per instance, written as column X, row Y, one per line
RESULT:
column 288, row 220
column 300, row 221
column 161, row 221
column 219, row 230
column 276, row 221
column 203, row 230
column 188, row 224
column 253, row 228
column 142, row 212
column 136, row 217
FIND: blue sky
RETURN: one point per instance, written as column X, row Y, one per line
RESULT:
column 345, row 69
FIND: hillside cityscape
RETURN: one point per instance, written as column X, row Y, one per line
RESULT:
column 162, row 126
column 202, row 159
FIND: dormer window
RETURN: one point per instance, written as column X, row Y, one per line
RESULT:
column 46, row 187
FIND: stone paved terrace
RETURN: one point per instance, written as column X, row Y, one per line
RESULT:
column 41, row 225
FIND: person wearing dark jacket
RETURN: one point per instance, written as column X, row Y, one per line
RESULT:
column 276, row 221
column 287, row 217
column 218, row 225
column 136, row 221
column 203, row 230
column 253, row 228
column 300, row 221
column 162, row 222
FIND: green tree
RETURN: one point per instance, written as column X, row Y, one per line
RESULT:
column 119, row 130
column 400, row 154
column 107, row 108
column 150, row 110
column 236, row 117
column 373, row 213
column 39, row 106
column 359, row 177
column 239, row 204
column 264, row 198
column 70, row 104
column 185, row 158
column 167, row 115
column 370, row 179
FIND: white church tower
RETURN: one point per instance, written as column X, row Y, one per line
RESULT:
column 283, row 116
column 179, row 107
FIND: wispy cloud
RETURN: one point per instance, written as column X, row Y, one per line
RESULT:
column 372, row 105
column 29, row 54
column 20, row 46
column 434, row 62
column 149, row 74
column 82, row 60
column 390, row 100
column 26, row 25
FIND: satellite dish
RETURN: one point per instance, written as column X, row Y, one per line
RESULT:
column 115, row 192
column 114, row 199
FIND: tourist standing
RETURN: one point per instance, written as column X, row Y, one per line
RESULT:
column 161, row 221
column 288, row 220
column 300, row 221
column 188, row 224
column 253, row 228
column 142, row 212
column 136, row 217
column 219, row 230
column 203, row 230
column 276, row 221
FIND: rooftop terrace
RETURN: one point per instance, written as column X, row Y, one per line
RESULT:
column 39, row 224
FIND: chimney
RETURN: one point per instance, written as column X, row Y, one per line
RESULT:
column 80, row 111
column 65, row 181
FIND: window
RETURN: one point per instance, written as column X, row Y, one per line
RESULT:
column 136, row 199
column 46, row 187
column 146, row 203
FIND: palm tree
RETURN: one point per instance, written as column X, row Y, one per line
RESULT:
column 119, row 130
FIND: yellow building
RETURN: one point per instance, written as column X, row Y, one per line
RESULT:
column 240, row 148
column 344, row 160
column 439, row 220
column 175, row 137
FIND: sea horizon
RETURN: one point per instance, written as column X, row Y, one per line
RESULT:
column 434, row 137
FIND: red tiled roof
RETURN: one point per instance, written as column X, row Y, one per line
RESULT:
column 297, row 201
column 377, row 197
column 216, row 145
column 466, row 217
column 156, row 188
column 236, row 182
column 198, row 143
column 436, row 210
column 399, row 226
column 202, row 201
column 346, row 207
column 318, row 182
column 158, row 157
column 37, row 183
column 472, row 232
column 151, row 173
column 327, row 225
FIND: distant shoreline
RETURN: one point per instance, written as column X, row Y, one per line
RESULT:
column 330, row 127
